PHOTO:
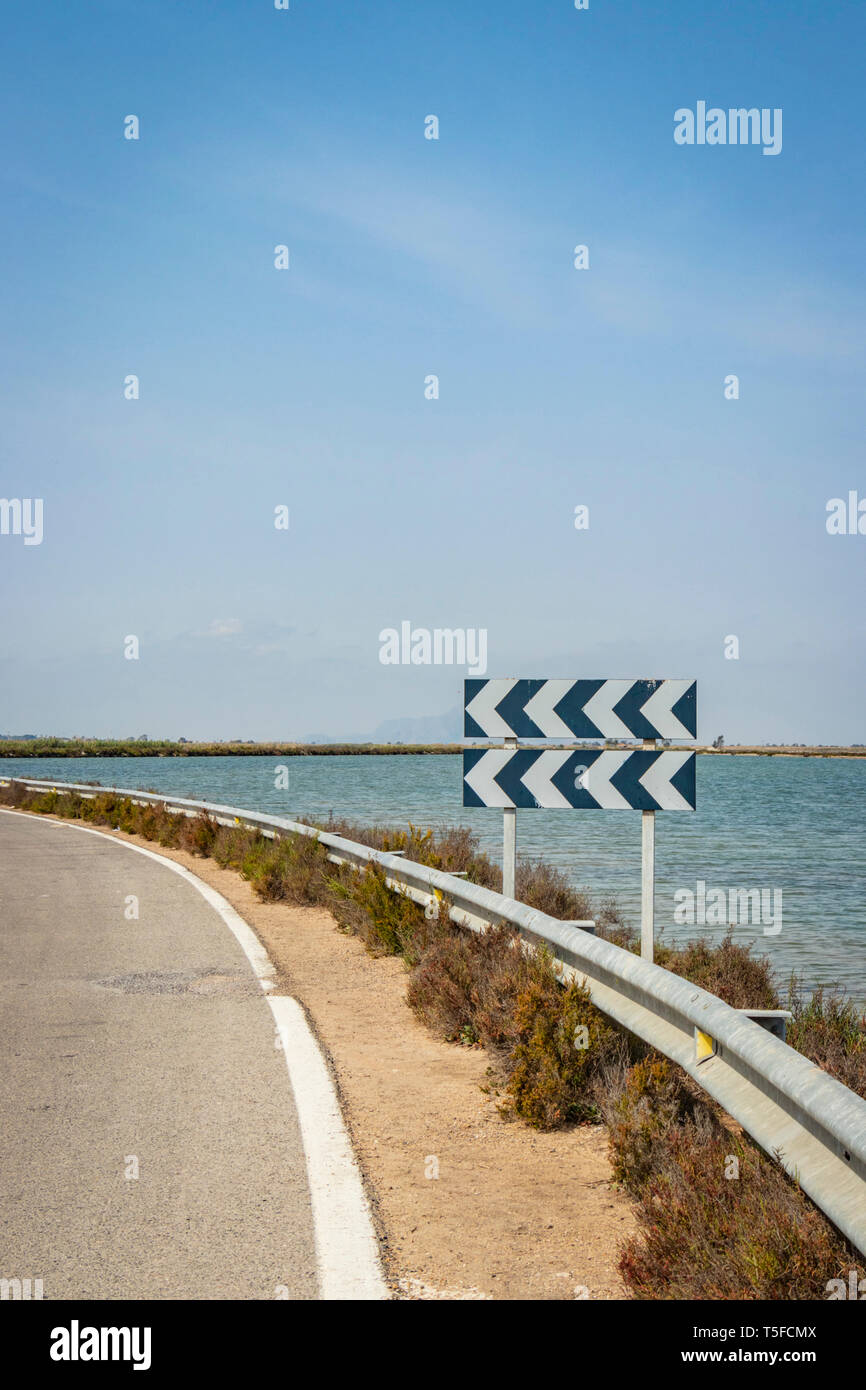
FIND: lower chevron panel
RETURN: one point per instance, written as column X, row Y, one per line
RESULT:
column 584, row 780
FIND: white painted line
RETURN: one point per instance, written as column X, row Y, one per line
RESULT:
column 346, row 1246
column 347, row 1252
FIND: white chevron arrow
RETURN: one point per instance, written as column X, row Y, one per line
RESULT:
column 483, row 710
column 480, row 779
column 658, row 709
column 541, row 709
column 537, row 778
column 657, row 779
column 596, row 780
column 600, row 709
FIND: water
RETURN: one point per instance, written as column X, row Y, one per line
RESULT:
column 793, row 824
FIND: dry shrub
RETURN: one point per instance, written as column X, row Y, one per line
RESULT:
column 711, row 1236
column 830, row 1030
column 728, row 970
column 464, row 985
column 454, row 849
column 547, row 888
column 16, row 794
column 170, row 829
column 547, row 1042
column 199, row 834
column 151, row 821
column 293, row 869
column 457, row 850
column 232, row 844
column 719, row 1220
column 642, row 1106
column 610, row 926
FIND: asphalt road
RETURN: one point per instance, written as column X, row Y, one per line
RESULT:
column 146, row 1040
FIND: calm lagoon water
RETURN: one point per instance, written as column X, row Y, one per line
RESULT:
column 793, row 824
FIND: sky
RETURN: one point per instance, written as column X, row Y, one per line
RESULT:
column 411, row 257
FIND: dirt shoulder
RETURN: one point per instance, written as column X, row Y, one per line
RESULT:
column 469, row 1206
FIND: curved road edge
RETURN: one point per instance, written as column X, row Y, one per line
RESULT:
column 347, row 1252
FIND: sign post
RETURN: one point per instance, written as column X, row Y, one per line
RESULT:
column 512, row 775
column 647, row 879
column 509, row 851
column 647, row 883
column 509, row 841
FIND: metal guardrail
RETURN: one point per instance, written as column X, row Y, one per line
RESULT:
column 811, row 1123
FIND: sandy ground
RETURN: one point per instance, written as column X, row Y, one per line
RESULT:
column 468, row 1205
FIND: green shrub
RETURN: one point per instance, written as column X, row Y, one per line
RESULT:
column 388, row 922
column 562, row 1042
column 291, row 869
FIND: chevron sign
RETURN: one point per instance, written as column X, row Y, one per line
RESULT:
column 612, row 709
column 589, row 779
column 580, row 709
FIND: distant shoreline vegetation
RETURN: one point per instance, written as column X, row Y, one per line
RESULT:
column 45, row 747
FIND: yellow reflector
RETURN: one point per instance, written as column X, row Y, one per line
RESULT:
column 705, row 1046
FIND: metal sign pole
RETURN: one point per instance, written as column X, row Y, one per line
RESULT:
column 509, row 851
column 647, row 883
column 509, row 842
column 647, row 877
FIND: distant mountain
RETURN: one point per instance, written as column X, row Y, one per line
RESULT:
column 425, row 728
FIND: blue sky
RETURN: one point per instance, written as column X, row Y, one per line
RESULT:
column 409, row 257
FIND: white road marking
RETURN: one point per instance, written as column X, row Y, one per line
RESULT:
column 346, row 1246
column 347, row 1252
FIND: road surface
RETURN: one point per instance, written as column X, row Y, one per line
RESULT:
column 150, row 1144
